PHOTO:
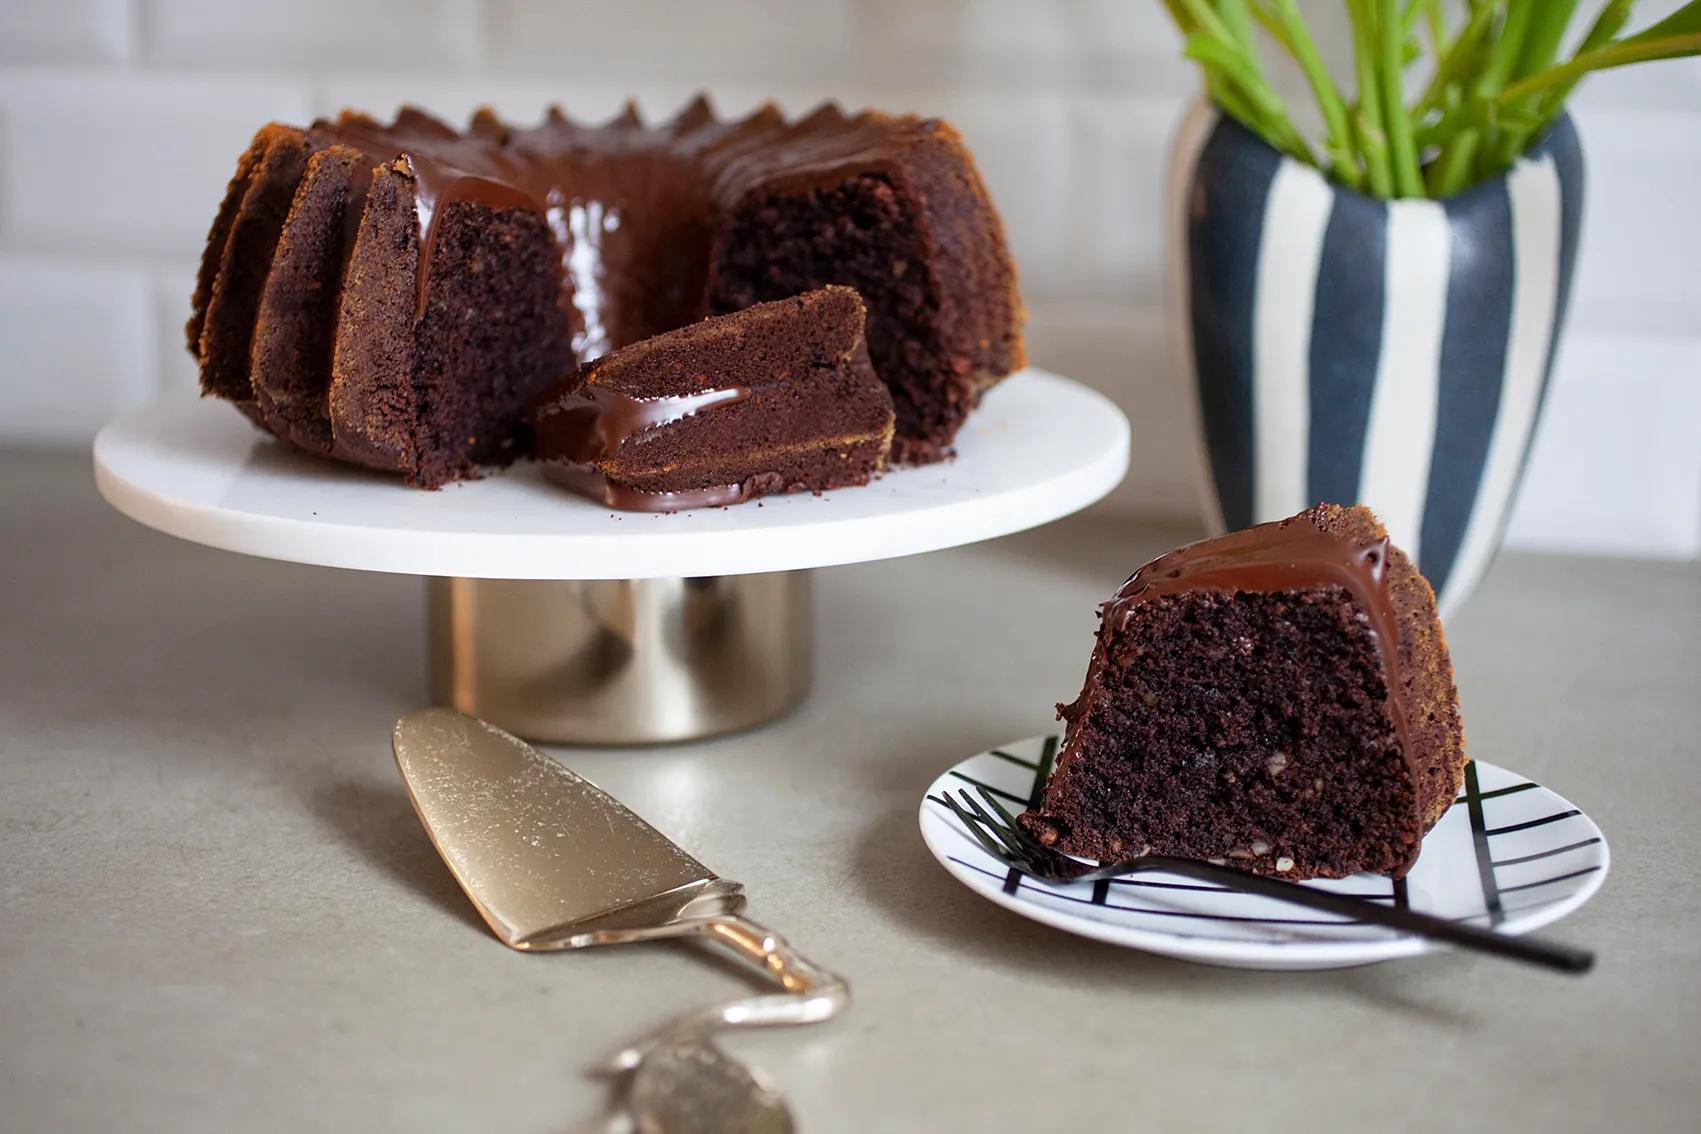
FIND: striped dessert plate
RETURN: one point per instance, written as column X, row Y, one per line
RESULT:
column 1509, row 853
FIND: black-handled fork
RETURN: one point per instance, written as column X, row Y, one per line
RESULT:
column 1004, row 839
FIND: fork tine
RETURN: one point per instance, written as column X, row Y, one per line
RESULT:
column 962, row 815
column 1029, row 845
column 1041, row 860
column 980, row 812
column 1003, row 814
column 1008, row 832
column 973, row 827
column 1012, row 846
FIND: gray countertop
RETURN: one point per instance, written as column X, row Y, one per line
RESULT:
column 220, row 913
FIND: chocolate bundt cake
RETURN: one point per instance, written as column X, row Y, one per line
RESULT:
column 779, row 397
column 1278, row 698
column 397, row 295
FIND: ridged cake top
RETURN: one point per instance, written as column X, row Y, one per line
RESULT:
column 631, row 207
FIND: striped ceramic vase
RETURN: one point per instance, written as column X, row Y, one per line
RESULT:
column 1347, row 349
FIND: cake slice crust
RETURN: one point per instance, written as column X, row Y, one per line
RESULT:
column 251, row 238
column 290, row 363
column 218, row 235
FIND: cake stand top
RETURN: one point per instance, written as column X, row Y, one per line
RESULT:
column 1039, row 448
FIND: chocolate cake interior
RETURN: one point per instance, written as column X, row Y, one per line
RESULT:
column 779, row 245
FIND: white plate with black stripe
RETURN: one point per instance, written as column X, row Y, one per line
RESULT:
column 1510, row 853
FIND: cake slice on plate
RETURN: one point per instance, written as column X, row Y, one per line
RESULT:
column 1278, row 698
column 779, row 397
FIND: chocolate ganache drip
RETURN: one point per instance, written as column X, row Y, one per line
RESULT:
column 592, row 422
column 590, row 425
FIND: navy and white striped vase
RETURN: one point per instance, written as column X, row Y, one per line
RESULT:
column 1348, row 349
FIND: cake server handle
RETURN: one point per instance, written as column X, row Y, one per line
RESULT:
column 812, row 994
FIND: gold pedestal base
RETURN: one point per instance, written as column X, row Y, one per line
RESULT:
column 621, row 661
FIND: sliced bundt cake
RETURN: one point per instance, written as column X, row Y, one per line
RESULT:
column 1278, row 698
column 779, row 397
column 398, row 294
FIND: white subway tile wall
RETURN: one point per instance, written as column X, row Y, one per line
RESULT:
column 1623, row 426
column 120, row 121
column 300, row 35
column 66, row 31
column 78, row 341
column 119, row 163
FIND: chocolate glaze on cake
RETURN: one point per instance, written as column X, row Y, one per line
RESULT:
column 581, row 434
column 1279, row 698
column 397, row 294
column 779, row 397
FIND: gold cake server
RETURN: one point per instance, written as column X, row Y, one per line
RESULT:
column 552, row 861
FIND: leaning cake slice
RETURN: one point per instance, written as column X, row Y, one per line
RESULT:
column 1278, row 698
column 779, row 397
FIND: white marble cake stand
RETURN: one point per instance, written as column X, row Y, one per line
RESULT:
column 562, row 620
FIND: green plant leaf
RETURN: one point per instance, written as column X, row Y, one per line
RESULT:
column 1497, row 81
column 1472, row 115
column 1184, row 22
column 1234, row 16
column 1457, row 163
column 1619, row 54
column 1240, row 91
column 1541, row 46
column 1272, row 26
column 1460, row 58
column 1612, row 19
column 1685, row 21
column 1205, row 19
column 1402, row 151
column 1338, row 144
column 1541, row 42
column 1367, row 114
